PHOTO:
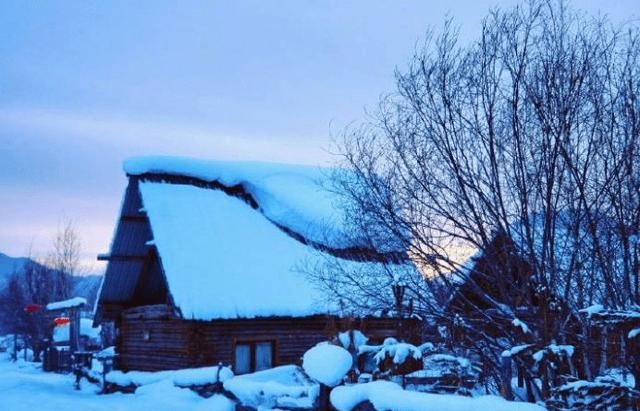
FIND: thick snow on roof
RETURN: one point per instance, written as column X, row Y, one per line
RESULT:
column 223, row 259
column 294, row 196
column 70, row 303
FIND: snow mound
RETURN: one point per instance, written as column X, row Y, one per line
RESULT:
column 284, row 386
column 389, row 396
column 25, row 387
column 183, row 378
column 327, row 363
column 345, row 398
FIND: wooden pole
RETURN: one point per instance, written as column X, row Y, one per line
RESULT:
column 74, row 330
column 323, row 399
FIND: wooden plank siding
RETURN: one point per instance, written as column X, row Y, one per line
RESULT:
column 170, row 343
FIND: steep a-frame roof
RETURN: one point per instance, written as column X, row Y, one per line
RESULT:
column 231, row 240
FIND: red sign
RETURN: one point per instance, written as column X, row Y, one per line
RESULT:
column 32, row 308
column 61, row 321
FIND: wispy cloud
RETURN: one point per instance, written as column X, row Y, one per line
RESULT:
column 135, row 136
column 65, row 165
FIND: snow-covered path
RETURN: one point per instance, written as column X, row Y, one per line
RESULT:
column 23, row 387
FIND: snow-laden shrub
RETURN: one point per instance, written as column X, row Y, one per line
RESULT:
column 327, row 363
column 352, row 339
column 444, row 373
column 553, row 351
column 395, row 357
column 605, row 393
column 399, row 353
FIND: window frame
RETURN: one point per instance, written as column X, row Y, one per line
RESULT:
column 253, row 343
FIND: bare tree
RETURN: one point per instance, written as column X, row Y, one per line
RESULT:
column 39, row 283
column 37, row 288
column 64, row 259
column 529, row 133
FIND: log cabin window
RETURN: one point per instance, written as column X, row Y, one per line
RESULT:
column 253, row 356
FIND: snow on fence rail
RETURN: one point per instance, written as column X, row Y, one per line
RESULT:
column 66, row 304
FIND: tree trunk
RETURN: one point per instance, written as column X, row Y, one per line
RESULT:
column 506, row 377
column 14, row 357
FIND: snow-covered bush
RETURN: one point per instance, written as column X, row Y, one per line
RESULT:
column 605, row 393
column 540, row 368
column 553, row 351
column 444, row 373
column 394, row 357
column 327, row 363
column 352, row 339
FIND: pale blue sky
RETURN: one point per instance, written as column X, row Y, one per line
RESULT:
column 85, row 84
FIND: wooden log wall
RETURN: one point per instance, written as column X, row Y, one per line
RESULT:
column 161, row 341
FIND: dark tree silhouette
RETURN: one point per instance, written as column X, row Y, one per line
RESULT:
column 530, row 132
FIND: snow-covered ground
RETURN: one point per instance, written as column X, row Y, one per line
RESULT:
column 24, row 387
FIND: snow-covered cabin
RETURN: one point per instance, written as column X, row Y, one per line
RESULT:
column 207, row 261
column 504, row 270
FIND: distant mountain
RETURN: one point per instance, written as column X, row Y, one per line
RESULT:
column 86, row 286
column 10, row 265
column 82, row 286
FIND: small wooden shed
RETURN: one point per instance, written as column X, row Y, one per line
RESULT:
column 207, row 263
column 71, row 308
